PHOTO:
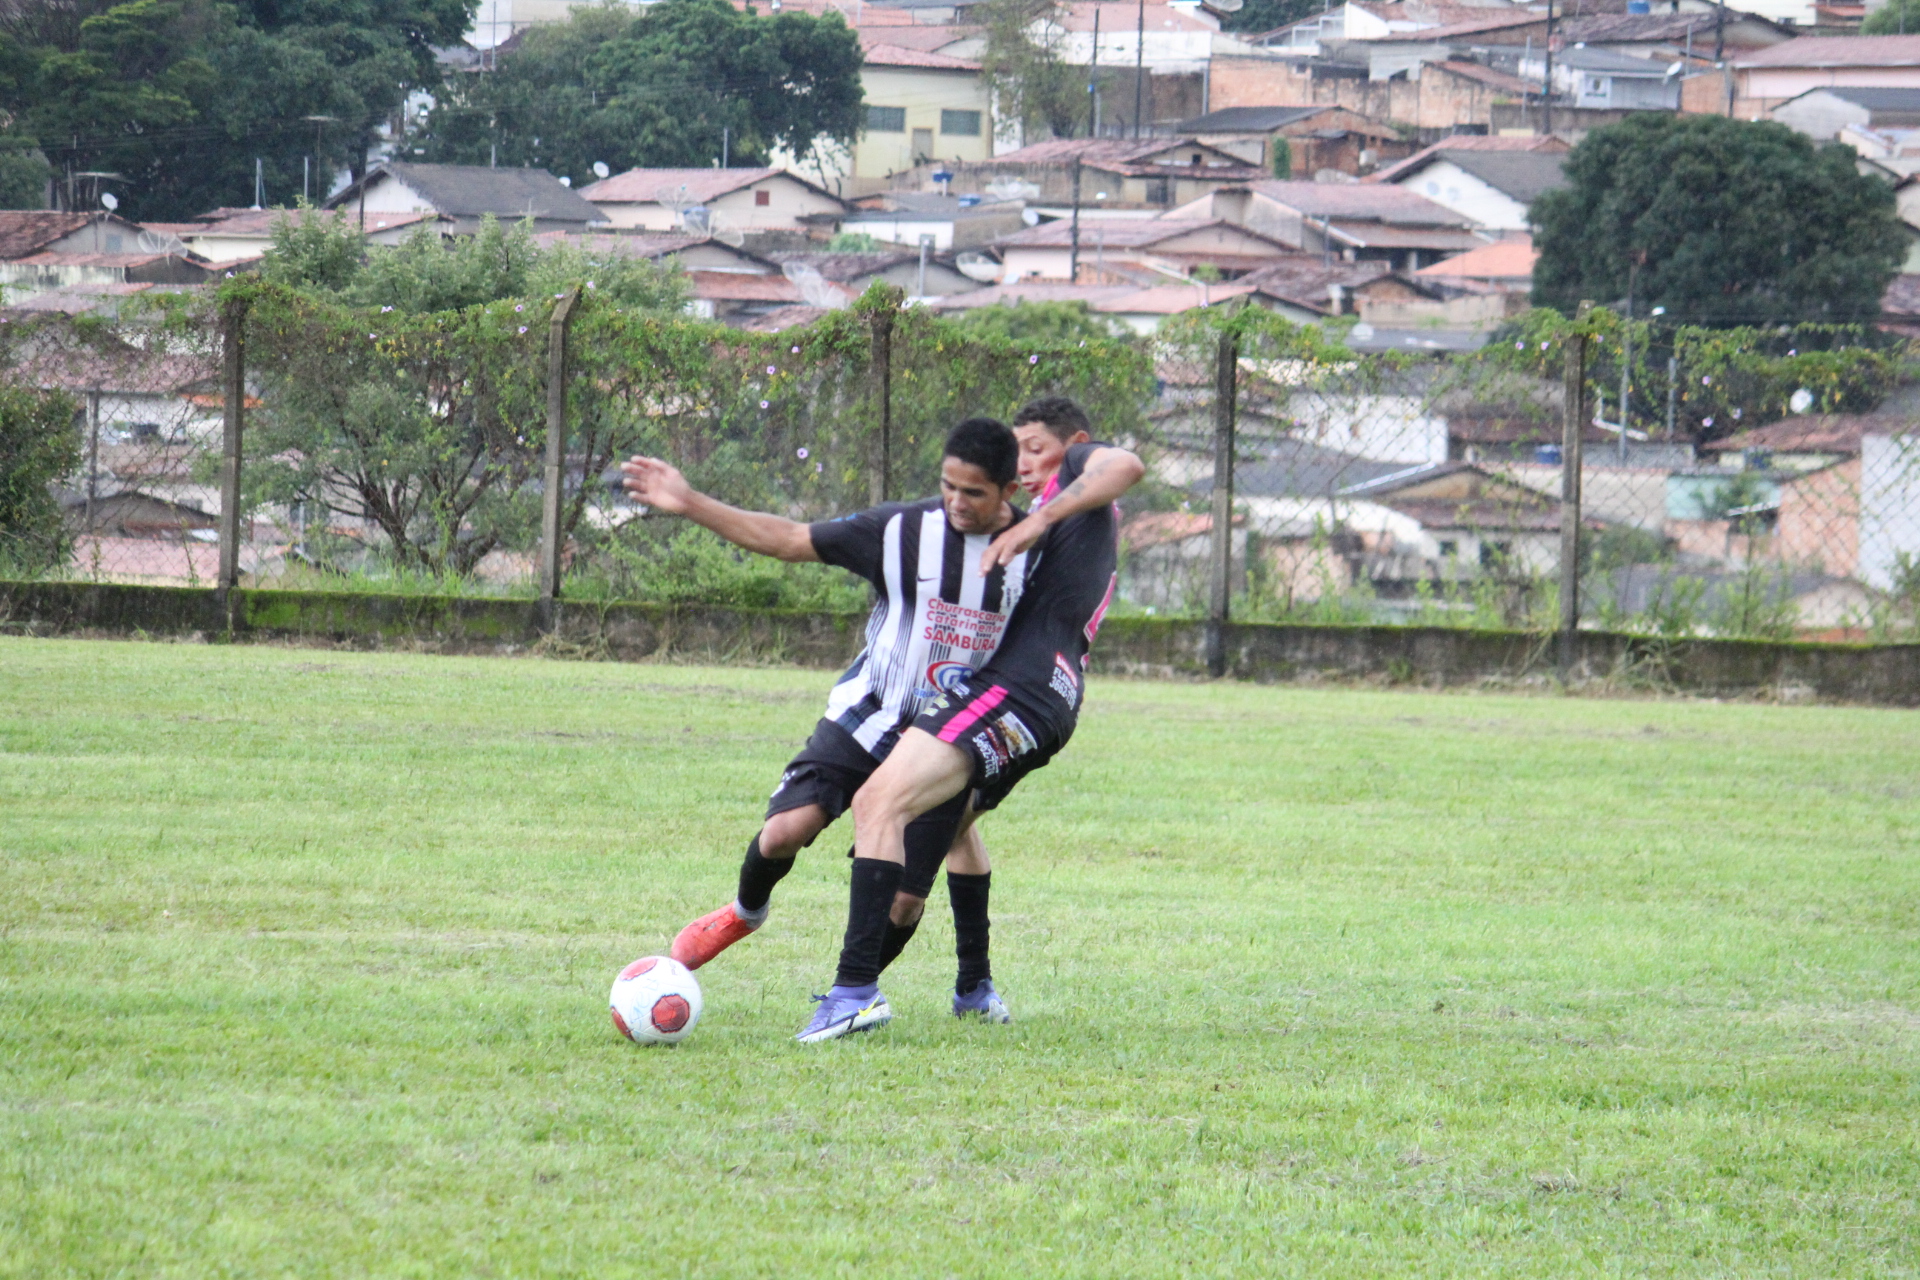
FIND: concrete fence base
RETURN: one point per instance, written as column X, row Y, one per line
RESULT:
column 1166, row 648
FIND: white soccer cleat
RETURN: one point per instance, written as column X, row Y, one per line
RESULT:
column 837, row 1016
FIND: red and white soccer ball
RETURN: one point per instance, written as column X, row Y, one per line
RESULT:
column 655, row 1001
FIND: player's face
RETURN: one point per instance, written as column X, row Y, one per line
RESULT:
column 1041, row 453
column 973, row 501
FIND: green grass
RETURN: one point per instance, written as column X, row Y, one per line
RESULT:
column 304, row 959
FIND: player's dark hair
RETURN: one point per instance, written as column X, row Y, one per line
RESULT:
column 1058, row 414
column 987, row 444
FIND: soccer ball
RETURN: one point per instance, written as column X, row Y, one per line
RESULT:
column 655, row 1000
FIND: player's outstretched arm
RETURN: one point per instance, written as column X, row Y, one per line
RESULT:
column 1110, row 472
column 661, row 486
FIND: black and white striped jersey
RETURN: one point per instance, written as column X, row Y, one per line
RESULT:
column 937, row 621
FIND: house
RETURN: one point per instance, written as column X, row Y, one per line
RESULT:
column 1147, row 172
column 1900, row 304
column 1471, row 522
column 1047, row 251
column 466, row 193
column 1141, row 309
column 1755, row 82
column 43, row 249
column 1805, row 442
column 1377, row 221
column 954, row 222
column 921, row 105
column 226, row 236
column 1690, row 34
column 1318, row 136
column 1312, row 281
column 1823, row 114
column 1491, row 188
column 928, row 276
column 1602, row 80
column 1431, row 94
column 707, row 200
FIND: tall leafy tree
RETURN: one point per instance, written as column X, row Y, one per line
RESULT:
column 181, row 97
column 1264, row 15
column 657, row 88
column 1025, row 70
column 1731, row 223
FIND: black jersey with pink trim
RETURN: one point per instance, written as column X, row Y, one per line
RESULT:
column 938, row 618
column 1068, row 593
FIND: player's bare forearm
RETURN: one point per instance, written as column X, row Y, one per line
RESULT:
column 756, row 531
column 661, row 486
column 1109, row 473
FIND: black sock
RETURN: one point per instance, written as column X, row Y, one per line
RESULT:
column 758, row 875
column 970, row 925
column 898, row 936
column 869, row 900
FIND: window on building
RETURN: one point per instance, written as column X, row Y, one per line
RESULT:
column 1448, row 549
column 762, row 198
column 886, row 119
column 960, row 124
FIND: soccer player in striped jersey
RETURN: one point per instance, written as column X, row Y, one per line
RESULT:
column 974, row 742
column 941, row 614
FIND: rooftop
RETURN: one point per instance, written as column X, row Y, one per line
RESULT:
column 1583, row 59
column 1117, row 233
column 1503, row 260
column 883, row 54
column 1488, row 76
column 1837, row 51
column 1524, row 175
column 474, row 190
column 1366, row 200
column 1473, row 142
column 1873, row 99
column 696, row 186
column 1649, row 28
column 1812, row 433
column 1251, row 119
column 24, row 231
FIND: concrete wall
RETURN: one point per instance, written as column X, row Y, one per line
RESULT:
column 1430, row 656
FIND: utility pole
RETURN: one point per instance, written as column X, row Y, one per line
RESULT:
column 1140, row 65
column 1546, row 80
column 1573, row 424
column 1073, row 253
column 1093, row 82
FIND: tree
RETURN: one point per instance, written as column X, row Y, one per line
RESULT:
column 1731, row 222
column 1282, row 158
column 657, row 88
column 1895, row 18
column 38, row 446
column 181, row 97
column 1264, row 15
column 1023, row 69
column 1052, row 323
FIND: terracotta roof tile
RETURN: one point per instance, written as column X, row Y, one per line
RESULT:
column 1837, row 51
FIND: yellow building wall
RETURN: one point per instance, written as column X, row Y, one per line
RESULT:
column 924, row 93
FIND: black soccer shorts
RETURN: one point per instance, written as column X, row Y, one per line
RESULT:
column 831, row 767
column 1002, row 729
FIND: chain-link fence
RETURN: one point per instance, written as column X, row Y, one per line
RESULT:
column 1757, row 484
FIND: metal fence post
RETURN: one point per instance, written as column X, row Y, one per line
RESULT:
column 553, row 481
column 880, row 458
column 1574, row 387
column 233, row 390
column 1220, row 569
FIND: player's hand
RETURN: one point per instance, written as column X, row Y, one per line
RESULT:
column 1012, row 541
column 657, row 484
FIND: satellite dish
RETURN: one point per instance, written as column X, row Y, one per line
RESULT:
column 1030, row 216
column 110, row 200
column 813, row 286
column 600, row 169
column 566, row 182
column 1801, row 401
column 977, row 266
column 730, row 237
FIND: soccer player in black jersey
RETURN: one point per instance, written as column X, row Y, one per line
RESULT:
column 981, row 736
column 941, row 613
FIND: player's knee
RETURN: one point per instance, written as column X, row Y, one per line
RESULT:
column 786, row 834
column 906, row 909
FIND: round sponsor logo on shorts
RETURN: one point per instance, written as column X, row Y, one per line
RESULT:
column 948, row 675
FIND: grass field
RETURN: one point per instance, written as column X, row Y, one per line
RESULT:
column 304, row 960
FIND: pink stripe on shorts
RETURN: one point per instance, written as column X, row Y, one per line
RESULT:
column 972, row 713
